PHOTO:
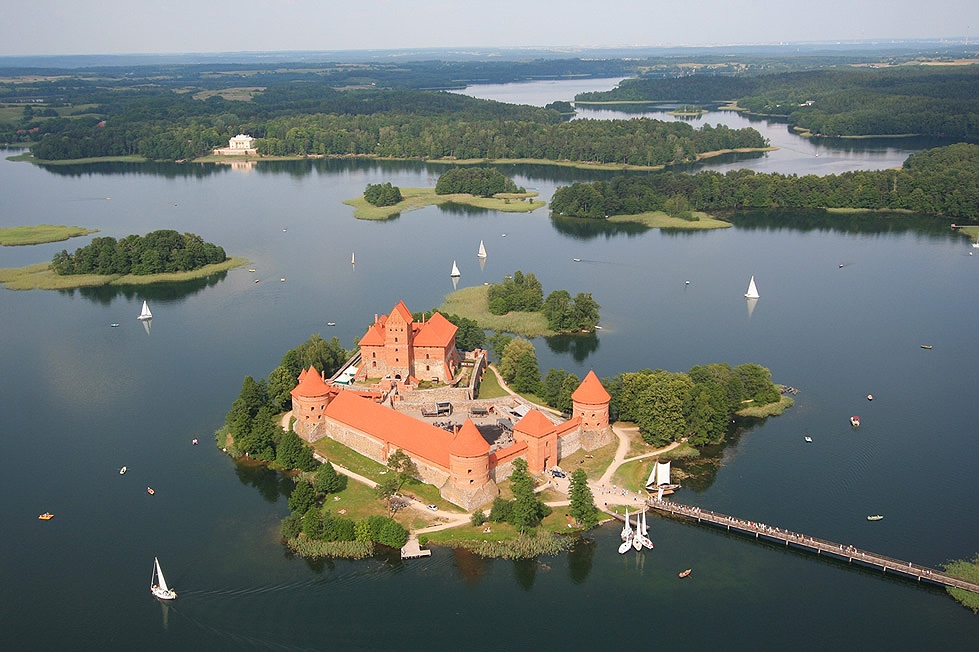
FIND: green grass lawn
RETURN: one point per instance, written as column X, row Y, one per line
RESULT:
column 593, row 466
column 772, row 409
column 489, row 386
column 420, row 197
column 473, row 303
column 660, row 220
column 40, row 277
column 40, row 233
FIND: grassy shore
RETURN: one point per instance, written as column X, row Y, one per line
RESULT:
column 40, row 277
column 660, row 220
column 473, row 303
column 415, row 198
column 40, row 233
column 844, row 211
column 966, row 570
column 27, row 156
column 770, row 410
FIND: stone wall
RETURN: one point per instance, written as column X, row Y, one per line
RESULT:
column 593, row 439
column 568, row 444
column 358, row 441
column 470, row 499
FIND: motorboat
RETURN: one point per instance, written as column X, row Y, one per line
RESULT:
column 855, row 421
column 122, row 471
column 150, row 491
column 46, row 516
column 114, row 325
column 808, row 439
column 875, row 517
column 926, row 346
column 685, row 573
column 158, row 585
column 870, row 397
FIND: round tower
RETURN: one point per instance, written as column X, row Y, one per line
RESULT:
column 590, row 402
column 309, row 400
column 469, row 458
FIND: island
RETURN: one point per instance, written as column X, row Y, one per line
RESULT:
column 158, row 257
column 481, row 187
column 409, row 440
column 40, row 234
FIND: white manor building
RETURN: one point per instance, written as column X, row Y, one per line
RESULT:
column 240, row 145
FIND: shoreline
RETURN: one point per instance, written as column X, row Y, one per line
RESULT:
column 40, row 277
column 22, row 236
column 415, row 198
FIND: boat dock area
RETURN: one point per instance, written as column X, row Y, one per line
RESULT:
column 413, row 550
column 819, row 546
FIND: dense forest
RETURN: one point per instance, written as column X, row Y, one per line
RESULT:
column 925, row 100
column 382, row 194
column 155, row 253
column 941, row 181
column 482, row 182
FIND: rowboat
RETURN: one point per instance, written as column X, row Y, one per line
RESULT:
column 150, row 491
column 875, row 517
column 686, row 572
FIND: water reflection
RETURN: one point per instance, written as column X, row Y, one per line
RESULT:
column 471, row 567
column 269, row 483
column 580, row 560
column 579, row 345
column 148, row 168
column 587, row 229
column 171, row 292
column 816, row 219
column 525, row 573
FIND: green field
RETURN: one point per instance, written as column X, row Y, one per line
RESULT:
column 40, row 233
column 415, row 198
column 40, row 277
column 473, row 303
column 660, row 220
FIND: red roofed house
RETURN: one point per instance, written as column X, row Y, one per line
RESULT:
column 396, row 345
column 462, row 464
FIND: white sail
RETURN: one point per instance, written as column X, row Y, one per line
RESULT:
column 353, row 259
column 455, row 270
column 627, row 528
column 482, row 250
column 145, row 312
column 651, row 480
column 160, row 581
column 663, row 472
column 752, row 292
column 158, row 585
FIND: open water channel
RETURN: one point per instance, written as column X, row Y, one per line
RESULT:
column 79, row 399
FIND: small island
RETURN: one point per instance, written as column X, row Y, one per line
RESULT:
column 159, row 256
column 39, row 234
column 479, row 186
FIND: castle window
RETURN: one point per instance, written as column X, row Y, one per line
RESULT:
column 470, row 482
column 395, row 340
column 373, row 354
column 427, row 368
column 426, row 356
column 469, row 471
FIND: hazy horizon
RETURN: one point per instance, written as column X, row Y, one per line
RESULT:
column 60, row 27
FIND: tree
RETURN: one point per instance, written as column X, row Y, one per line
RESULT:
column 498, row 342
column 403, row 466
column 527, row 378
column 501, row 510
column 550, row 387
column 327, row 481
column 280, row 385
column 301, row 498
column 583, row 508
column 512, row 354
column 386, row 489
column 527, row 509
column 293, row 453
column 477, row 518
column 564, row 401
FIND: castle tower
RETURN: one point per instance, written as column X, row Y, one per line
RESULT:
column 590, row 402
column 541, row 439
column 469, row 484
column 398, row 334
column 309, row 400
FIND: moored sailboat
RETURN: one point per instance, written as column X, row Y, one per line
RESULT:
column 158, row 585
column 145, row 313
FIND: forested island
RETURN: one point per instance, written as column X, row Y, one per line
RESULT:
column 940, row 181
column 923, row 100
column 158, row 252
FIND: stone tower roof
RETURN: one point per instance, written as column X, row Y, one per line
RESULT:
column 591, row 391
column 468, row 442
column 311, row 384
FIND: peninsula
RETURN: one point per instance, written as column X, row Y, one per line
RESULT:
column 415, row 198
column 40, row 234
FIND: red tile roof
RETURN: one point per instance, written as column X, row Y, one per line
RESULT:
column 437, row 331
column 506, row 454
column 402, row 309
column 468, row 442
column 311, row 385
column 534, row 424
column 591, row 391
column 374, row 336
column 416, row 438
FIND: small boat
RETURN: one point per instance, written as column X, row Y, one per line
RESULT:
column 145, row 313
column 331, row 323
column 685, row 573
column 353, row 259
column 158, row 585
column 808, row 439
column 644, row 534
column 251, row 270
column 455, row 270
column 752, row 292
column 686, row 282
column 256, row 280
column 282, row 280
column 577, row 260
column 114, row 325
column 624, row 548
column 482, row 250
column 855, row 421
column 875, row 517
column 283, row 230
column 122, row 471
column 503, row 235
column 194, row 441
column 926, row 346
column 46, row 516
column 150, row 491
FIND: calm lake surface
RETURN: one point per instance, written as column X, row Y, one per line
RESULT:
column 79, row 399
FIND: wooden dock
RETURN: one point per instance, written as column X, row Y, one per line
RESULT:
column 413, row 550
column 819, row 546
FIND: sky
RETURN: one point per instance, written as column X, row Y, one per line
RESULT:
column 180, row 26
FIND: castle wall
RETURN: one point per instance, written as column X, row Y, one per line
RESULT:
column 568, row 444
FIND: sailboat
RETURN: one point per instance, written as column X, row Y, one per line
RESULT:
column 353, row 258
column 644, row 534
column 145, row 313
column 626, row 535
column 482, row 250
column 455, row 270
column 158, row 585
column 752, row 292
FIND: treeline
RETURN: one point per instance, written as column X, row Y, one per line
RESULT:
column 156, row 252
column 524, row 293
column 479, row 181
column 382, row 194
column 941, row 181
column 925, row 100
column 667, row 406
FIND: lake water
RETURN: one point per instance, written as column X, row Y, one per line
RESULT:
column 79, row 399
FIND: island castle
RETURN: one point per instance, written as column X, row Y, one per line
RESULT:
column 461, row 460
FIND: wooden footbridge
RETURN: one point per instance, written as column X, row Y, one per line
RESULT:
column 819, row 546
